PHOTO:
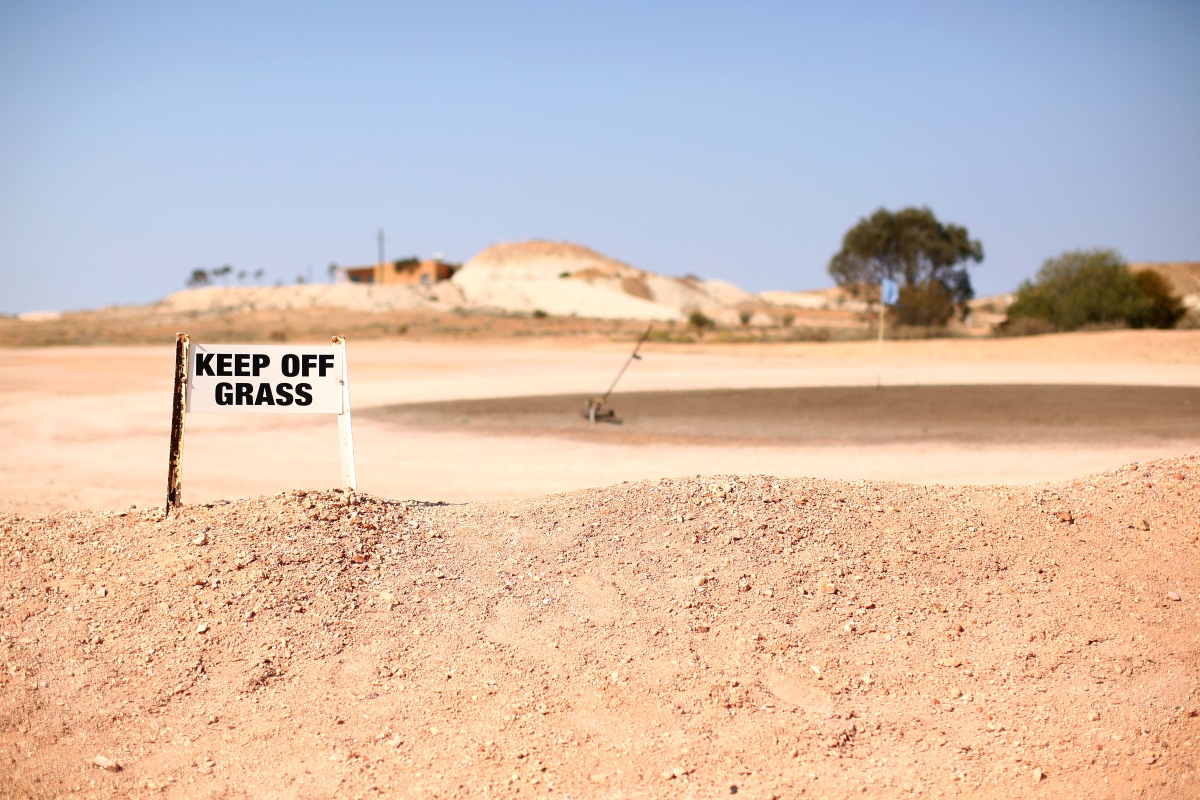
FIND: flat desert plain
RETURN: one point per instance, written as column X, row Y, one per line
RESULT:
column 959, row 568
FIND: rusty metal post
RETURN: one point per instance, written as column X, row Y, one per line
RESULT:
column 178, row 413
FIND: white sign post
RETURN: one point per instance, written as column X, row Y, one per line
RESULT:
column 889, row 293
column 263, row 379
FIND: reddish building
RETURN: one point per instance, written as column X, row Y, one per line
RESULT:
column 407, row 271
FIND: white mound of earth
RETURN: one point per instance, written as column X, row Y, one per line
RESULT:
column 556, row 278
column 568, row 279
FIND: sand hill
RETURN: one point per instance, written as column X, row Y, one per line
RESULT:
column 568, row 279
column 556, row 278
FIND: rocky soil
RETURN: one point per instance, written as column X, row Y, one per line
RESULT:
column 684, row 638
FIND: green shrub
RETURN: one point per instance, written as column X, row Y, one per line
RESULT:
column 1028, row 326
column 700, row 322
column 1093, row 289
column 1166, row 310
column 924, row 304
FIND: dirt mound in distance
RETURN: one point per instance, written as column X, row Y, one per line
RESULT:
column 561, row 278
column 671, row 638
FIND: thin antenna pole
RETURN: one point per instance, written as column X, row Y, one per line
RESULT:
column 628, row 361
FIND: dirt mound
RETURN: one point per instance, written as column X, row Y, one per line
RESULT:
column 556, row 278
column 542, row 260
column 669, row 638
column 568, row 279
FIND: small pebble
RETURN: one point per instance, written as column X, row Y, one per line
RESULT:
column 1038, row 774
column 1174, row 595
column 102, row 592
column 826, row 587
column 106, row 764
column 202, row 627
column 200, row 540
column 1093, row 716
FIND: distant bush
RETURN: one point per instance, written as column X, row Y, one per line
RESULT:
column 1028, row 326
column 539, row 314
column 745, row 317
column 1092, row 289
column 788, row 319
column 700, row 322
column 1166, row 309
column 928, row 304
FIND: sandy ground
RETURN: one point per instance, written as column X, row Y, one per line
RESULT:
column 87, row 428
column 747, row 606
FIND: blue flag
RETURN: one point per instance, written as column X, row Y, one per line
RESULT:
column 889, row 291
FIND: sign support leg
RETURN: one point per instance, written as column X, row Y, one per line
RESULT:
column 879, row 355
column 345, row 432
column 178, row 415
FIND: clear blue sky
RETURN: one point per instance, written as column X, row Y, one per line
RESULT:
column 730, row 140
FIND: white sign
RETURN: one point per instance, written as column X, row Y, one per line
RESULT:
column 272, row 379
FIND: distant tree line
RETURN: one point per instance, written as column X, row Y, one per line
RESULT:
column 929, row 261
column 201, row 276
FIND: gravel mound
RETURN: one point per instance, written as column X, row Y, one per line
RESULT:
column 691, row 637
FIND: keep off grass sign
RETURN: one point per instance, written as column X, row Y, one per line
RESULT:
column 263, row 379
column 273, row 379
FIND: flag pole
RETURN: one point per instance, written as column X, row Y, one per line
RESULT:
column 879, row 349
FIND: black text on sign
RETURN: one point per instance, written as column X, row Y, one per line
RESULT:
column 265, row 379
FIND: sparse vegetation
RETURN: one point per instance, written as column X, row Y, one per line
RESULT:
column 1088, row 289
column 698, row 321
column 1166, row 309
